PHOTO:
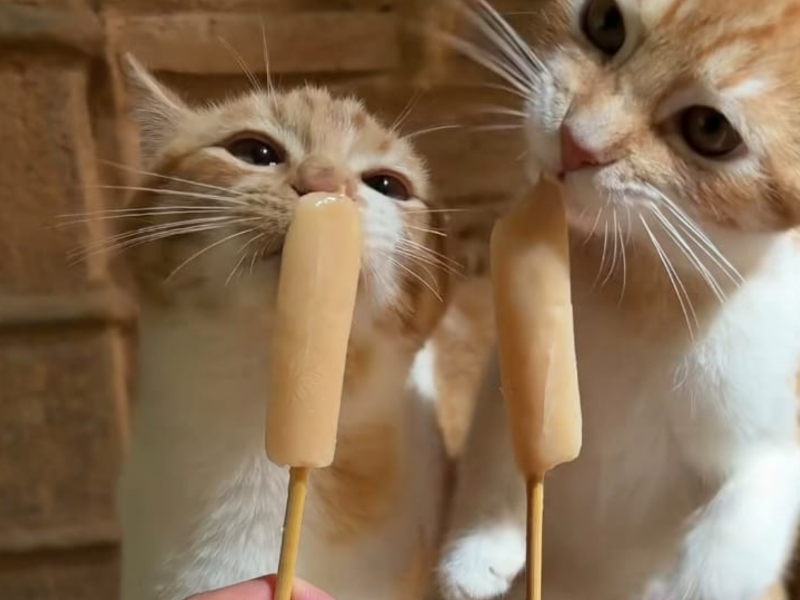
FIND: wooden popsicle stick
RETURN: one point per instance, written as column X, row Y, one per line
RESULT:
column 533, row 577
column 292, row 525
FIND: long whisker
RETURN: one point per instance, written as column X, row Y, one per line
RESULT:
column 407, row 110
column 501, row 110
column 427, row 230
column 489, row 62
column 208, row 186
column 241, row 251
column 605, row 250
column 679, row 241
column 428, row 251
column 114, row 248
column 624, row 267
column 270, row 87
column 705, row 244
column 416, row 276
column 615, row 236
column 170, row 192
column 594, row 227
column 430, row 261
column 157, row 228
column 140, row 215
column 677, row 284
column 199, row 253
column 507, row 38
column 243, row 65
column 497, row 127
column 426, row 131
column 416, row 211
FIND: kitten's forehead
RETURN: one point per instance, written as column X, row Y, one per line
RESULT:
column 721, row 36
column 316, row 121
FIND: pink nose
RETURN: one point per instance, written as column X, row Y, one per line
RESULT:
column 575, row 157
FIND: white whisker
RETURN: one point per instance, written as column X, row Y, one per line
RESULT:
column 615, row 236
column 243, row 65
column 176, row 225
column 679, row 241
column 624, row 266
column 704, row 242
column 421, row 132
column 603, row 257
column 594, row 227
column 208, row 186
column 419, row 278
column 170, row 192
column 115, row 248
column 199, row 253
column 241, row 251
column 270, row 87
column 677, row 284
column 407, row 110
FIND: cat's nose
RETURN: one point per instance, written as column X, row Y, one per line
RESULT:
column 575, row 157
column 317, row 175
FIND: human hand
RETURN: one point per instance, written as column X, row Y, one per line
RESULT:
column 262, row 589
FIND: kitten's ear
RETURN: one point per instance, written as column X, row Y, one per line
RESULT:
column 156, row 109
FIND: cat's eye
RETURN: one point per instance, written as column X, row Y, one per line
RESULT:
column 707, row 132
column 255, row 151
column 604, row 26
column 389, row 185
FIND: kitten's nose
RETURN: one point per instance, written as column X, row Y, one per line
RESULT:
column 575, row 157
column 317, row 174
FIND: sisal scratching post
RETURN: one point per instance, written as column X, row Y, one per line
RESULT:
column 533, row 310
column 314, row 312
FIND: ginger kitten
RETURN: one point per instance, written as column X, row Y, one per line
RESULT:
column 673, row 129
column 201, row 506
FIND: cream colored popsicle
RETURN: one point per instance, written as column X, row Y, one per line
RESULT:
column 533, row 306
column 316, row 299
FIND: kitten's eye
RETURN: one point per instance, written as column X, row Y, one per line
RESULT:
column 708, row 132
column 604, row 26
column 389, row 185
column 255, row 152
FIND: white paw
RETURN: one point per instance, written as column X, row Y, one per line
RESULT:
column 482, row 565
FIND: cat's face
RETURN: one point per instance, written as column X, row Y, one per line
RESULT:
column 658, row 109
column 227, row 178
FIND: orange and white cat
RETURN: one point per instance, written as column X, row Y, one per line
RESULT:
column 201, row 506
column 673, row 130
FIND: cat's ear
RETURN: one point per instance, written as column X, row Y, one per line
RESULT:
column 157, row 110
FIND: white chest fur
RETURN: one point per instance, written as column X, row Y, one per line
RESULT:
column 689, row 479
column 664, row 426
column 201, row 506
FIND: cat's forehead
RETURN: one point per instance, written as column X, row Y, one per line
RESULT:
column 745, row 30
column 313, row 120
column 742, row 48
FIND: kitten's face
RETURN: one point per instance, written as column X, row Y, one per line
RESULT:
column 235, row 171
column 637, row 104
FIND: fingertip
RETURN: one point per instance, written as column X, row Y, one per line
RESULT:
column 306, row 591
column 302, row 589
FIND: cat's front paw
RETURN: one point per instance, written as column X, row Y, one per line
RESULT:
column 482, row 565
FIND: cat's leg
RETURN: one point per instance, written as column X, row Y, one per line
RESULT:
column 740, row 543
column 485, row 543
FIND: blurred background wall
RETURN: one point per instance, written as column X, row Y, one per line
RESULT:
column 66, row 330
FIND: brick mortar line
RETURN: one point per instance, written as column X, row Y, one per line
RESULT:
column 103, row 306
